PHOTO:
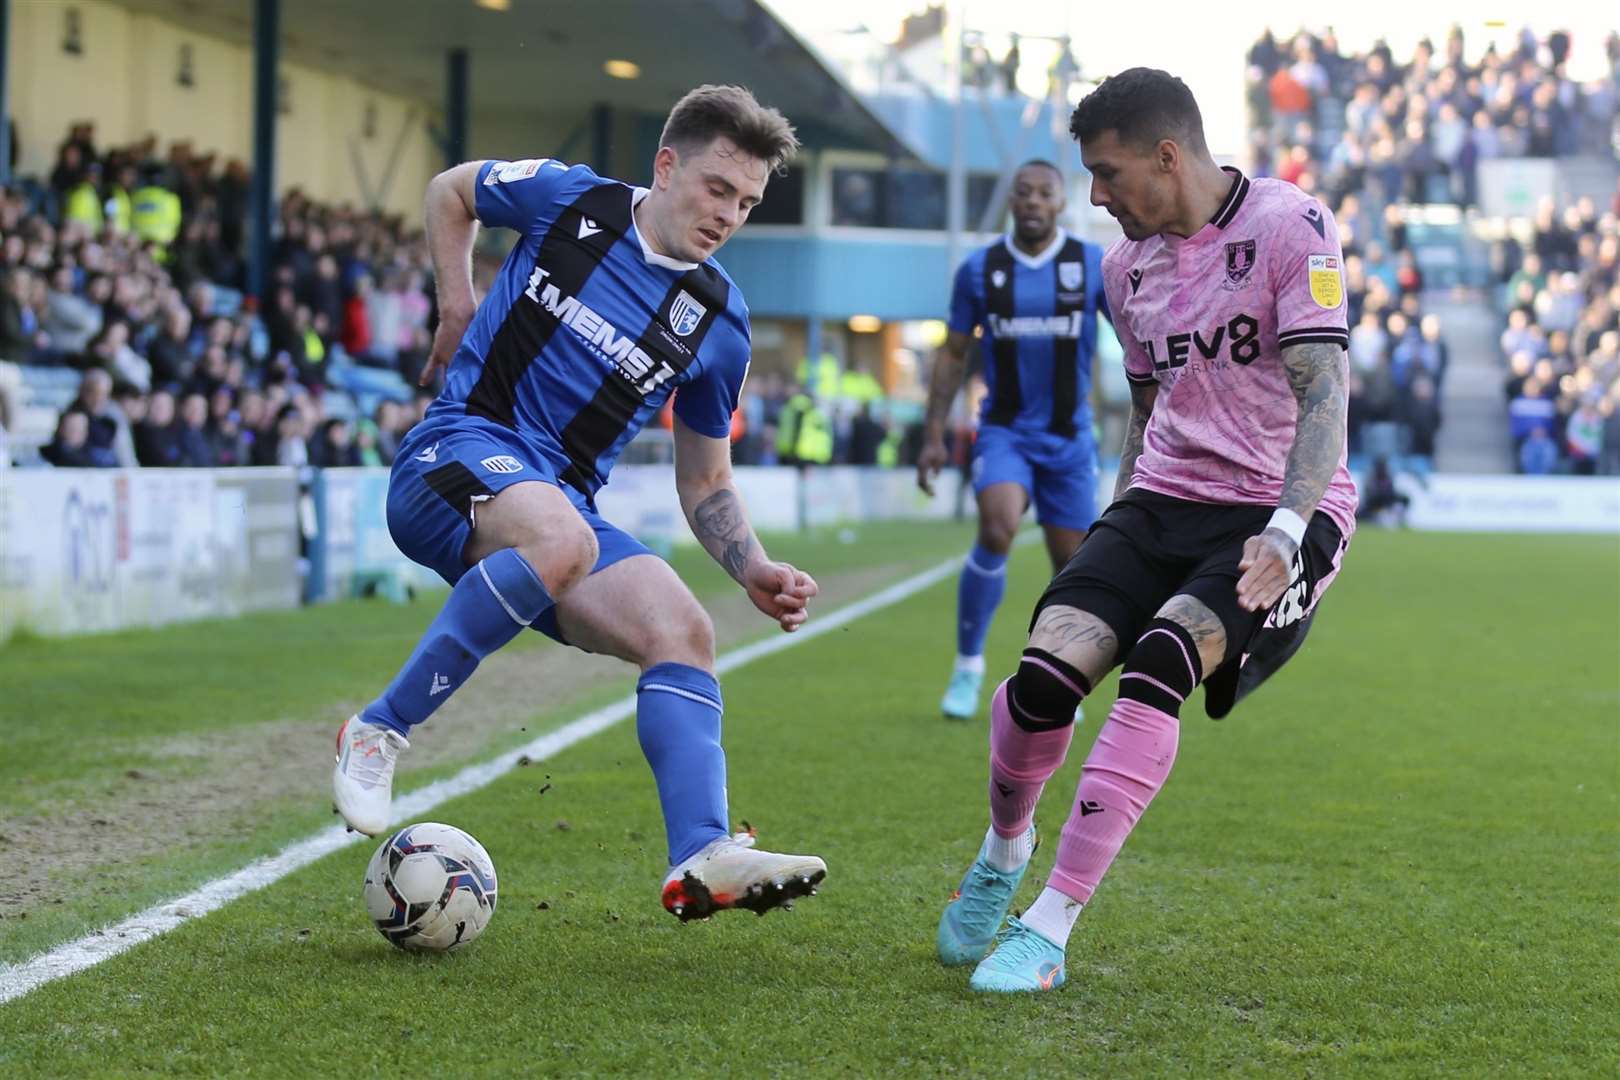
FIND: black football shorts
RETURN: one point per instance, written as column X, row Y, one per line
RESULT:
column 1148, row 547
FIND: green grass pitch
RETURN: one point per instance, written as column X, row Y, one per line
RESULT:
column 1399, row 858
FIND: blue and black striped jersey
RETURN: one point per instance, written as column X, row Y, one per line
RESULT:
column 586, row 331
column 1039, row 315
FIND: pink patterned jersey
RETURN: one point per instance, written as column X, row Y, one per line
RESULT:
column 1207, row 318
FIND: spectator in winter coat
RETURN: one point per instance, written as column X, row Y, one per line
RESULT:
column 71, row 448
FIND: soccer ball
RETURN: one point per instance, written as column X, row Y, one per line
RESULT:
column 430, row 888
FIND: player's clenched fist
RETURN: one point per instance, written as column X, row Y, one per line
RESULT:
column 781, row 591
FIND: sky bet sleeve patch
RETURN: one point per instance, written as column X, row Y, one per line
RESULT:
column 507, row 172
column 1327, row 287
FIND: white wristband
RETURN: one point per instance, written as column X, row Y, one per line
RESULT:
column 1290, row 523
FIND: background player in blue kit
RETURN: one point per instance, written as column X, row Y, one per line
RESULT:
column 1036, row 294
column 610, row 302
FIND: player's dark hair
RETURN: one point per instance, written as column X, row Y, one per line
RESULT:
column 1141, row 106
column 711, row 111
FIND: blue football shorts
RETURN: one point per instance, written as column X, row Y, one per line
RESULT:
column 443, row 472
column 1060, row 474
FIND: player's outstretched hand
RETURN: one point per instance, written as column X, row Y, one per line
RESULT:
column 930, row 460
column 781, row 591
column 446, row 340
column 1267, row 560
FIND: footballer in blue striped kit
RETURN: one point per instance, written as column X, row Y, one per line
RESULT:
column 610, row 304
column 1035, row 297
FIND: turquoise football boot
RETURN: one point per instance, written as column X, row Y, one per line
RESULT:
column 1024, row 962
column 969, row 922
column 961, row 699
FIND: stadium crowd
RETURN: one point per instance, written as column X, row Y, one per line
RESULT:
column 1371, row 135
column 1561, row 293
column 1416, row 132
column 130, row 269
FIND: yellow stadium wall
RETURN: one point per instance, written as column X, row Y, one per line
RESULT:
column 125, row 80
column 503, row 134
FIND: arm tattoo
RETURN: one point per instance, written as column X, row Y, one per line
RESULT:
column 1316, row 372
column 1142, row 399
column 722, row 528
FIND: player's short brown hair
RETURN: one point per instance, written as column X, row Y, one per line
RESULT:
column 712, row 111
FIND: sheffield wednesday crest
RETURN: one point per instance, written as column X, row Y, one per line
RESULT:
column 1239, row 261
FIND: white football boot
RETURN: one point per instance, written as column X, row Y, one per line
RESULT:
column 729, row 873
column 363, row 779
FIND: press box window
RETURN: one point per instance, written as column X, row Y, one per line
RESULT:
column 784, row 201
column 902, row 198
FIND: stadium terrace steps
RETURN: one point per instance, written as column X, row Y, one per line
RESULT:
column 1473, row 436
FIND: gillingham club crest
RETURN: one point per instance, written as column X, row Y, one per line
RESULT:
column 685, row 313
column 1070, row 276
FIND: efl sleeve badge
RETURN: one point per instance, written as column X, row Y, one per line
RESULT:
column 1327, row 286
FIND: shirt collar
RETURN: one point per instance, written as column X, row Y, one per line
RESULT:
column 653, row 258
column 1035, row 262
column 1234, row 198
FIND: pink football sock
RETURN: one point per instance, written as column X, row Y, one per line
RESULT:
column 1021, row 762
column 1127, row 766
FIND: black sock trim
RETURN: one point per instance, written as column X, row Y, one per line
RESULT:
column 1181, row 634
column 1134, row 688
column 1029, row 722
column 1068, row 671
column 1160, row 675
column 1038, row 664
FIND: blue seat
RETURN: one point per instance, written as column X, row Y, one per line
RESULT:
column 368, row 386
column 340, row 406
column 51, row 387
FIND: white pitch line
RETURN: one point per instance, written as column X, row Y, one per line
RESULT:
column 74, row 956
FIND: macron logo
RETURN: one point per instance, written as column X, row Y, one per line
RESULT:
column 587, row 227
column 440, row 685
column 430, row 455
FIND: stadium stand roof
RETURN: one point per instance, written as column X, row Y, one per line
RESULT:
column 547, row 57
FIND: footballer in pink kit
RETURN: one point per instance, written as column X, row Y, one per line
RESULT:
column 1231, row 513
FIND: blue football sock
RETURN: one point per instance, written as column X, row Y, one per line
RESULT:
column 489, row 605
column 984, row 579
column 678, row 722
